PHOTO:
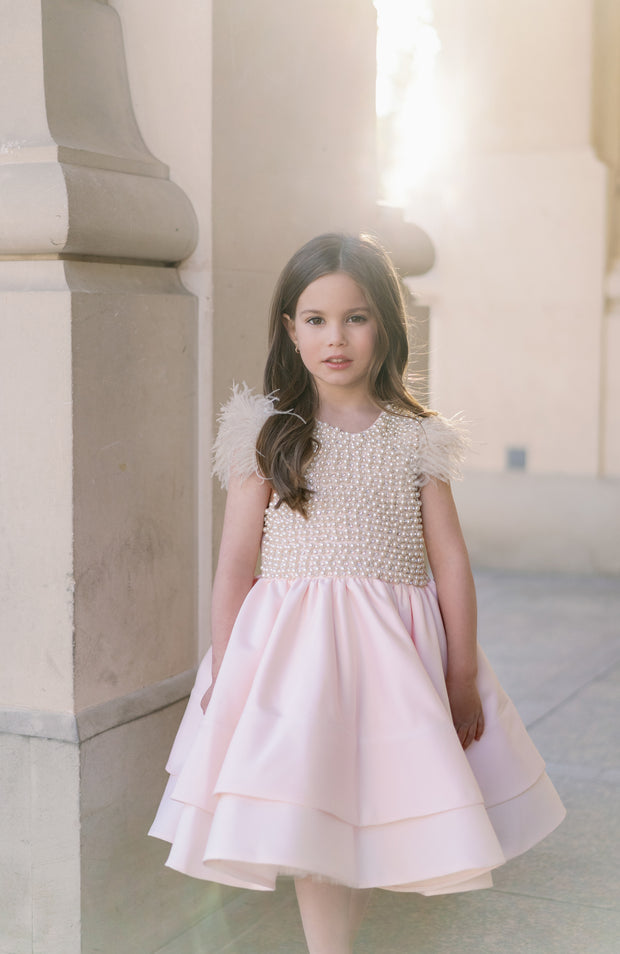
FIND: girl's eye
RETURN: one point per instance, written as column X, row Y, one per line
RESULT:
column 357, row 318
column 314, row 320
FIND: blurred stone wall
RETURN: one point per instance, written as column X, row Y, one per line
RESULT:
column 524, row 296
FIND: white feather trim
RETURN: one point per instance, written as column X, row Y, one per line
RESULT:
column 442, row 448
column 240, row 421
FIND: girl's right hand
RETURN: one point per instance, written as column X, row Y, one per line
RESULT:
column 204, row 702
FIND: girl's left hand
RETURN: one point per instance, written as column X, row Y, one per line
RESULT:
column 466, row 709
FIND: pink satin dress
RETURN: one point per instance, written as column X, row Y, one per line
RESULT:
column 328, row 748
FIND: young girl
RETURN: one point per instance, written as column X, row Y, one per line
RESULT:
column 344, row 727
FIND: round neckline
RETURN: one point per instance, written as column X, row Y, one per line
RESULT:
column 334, row 427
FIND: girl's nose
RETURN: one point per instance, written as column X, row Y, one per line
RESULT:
column 337, row 334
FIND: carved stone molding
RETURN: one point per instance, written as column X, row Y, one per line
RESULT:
column 76, row 177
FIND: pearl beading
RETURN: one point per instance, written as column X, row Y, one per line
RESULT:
column 364, row 516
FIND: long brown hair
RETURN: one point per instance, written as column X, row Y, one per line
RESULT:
column 286, row 443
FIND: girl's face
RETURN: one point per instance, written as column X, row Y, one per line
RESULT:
column 336, row 332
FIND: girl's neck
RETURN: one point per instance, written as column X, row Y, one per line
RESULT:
column 349, row 413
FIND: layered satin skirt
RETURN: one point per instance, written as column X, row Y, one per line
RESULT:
column 328, row 750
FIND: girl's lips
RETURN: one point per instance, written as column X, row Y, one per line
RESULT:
column 336, row 362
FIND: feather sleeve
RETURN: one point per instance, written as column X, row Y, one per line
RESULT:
column 240, row 421
column 442, row 448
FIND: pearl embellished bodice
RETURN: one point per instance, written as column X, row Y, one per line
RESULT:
column 364, row 516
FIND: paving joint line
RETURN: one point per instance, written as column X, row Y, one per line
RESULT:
column 575, row 692
column 565, row 903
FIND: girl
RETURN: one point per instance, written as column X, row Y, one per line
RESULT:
column 344, row 728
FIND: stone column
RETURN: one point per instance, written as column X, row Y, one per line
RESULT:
column 606, row 138
column 97, row 489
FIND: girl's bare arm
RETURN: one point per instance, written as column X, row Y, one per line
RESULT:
column 456, row 593
column 241, row 537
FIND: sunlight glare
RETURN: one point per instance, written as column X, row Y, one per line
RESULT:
column 411, row 137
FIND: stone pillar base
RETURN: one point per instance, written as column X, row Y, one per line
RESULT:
column 97, row 492
column 83, row 877
column 559, row 523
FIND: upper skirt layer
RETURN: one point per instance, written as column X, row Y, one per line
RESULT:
column 328, row 749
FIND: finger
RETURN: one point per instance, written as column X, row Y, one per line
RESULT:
column 204, row 702
column 470, row 736
column 465, row 735
column 480, row 726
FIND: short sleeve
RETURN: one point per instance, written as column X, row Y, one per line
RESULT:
column 442, row 448
column 240, row 421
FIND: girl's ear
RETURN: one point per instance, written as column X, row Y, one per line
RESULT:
column 289, row 324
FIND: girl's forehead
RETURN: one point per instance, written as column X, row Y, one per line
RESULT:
column 336, row 290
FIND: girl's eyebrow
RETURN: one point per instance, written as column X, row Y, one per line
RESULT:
column 349, row 311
